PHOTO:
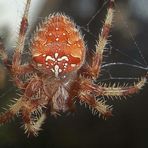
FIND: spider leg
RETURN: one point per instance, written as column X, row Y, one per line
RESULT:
column 32, row 88
column 21, row 39
column 13, row 110
column 86, row 95
column 97, row 106
column 118, row 91
column 30, row 107
column 89, row 92
column 31, row 124
column 17, row 69
column 33, row 116
column 23, row 69
column 95, row 65
column 114, row 90
column 3, row 55
column 33, row 127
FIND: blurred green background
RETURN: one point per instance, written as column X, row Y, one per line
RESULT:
column 128, row 128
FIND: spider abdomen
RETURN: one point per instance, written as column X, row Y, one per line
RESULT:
column 58, row 46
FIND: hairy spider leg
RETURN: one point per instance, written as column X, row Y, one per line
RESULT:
column 11, row 112
column 3, row 55
column 87, row 96
column 23, row 69
column 15, row 109
column 17, row 68
column 33, row 116
column 26, row 107
column 89, row 92
column 33, row 127
column 93, row 70
column 112, row 91
column 102, row 42
column 119, row 91
column 34, row 106
column 97, row 106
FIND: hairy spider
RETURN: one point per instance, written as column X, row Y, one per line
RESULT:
column 58, row 73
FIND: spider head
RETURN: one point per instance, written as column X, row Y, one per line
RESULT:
column 58, row 47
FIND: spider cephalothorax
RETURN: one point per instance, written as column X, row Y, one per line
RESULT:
column 58, row 73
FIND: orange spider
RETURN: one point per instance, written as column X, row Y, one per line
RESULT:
column 58, row 73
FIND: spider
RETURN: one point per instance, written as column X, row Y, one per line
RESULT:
column 58, row 73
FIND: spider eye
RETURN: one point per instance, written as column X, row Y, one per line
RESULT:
column 58, row 46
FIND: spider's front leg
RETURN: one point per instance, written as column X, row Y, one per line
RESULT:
column 17, row 69
column 93, row 69
column 16, row 62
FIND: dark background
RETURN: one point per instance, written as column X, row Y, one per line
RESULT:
column 128, row 128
